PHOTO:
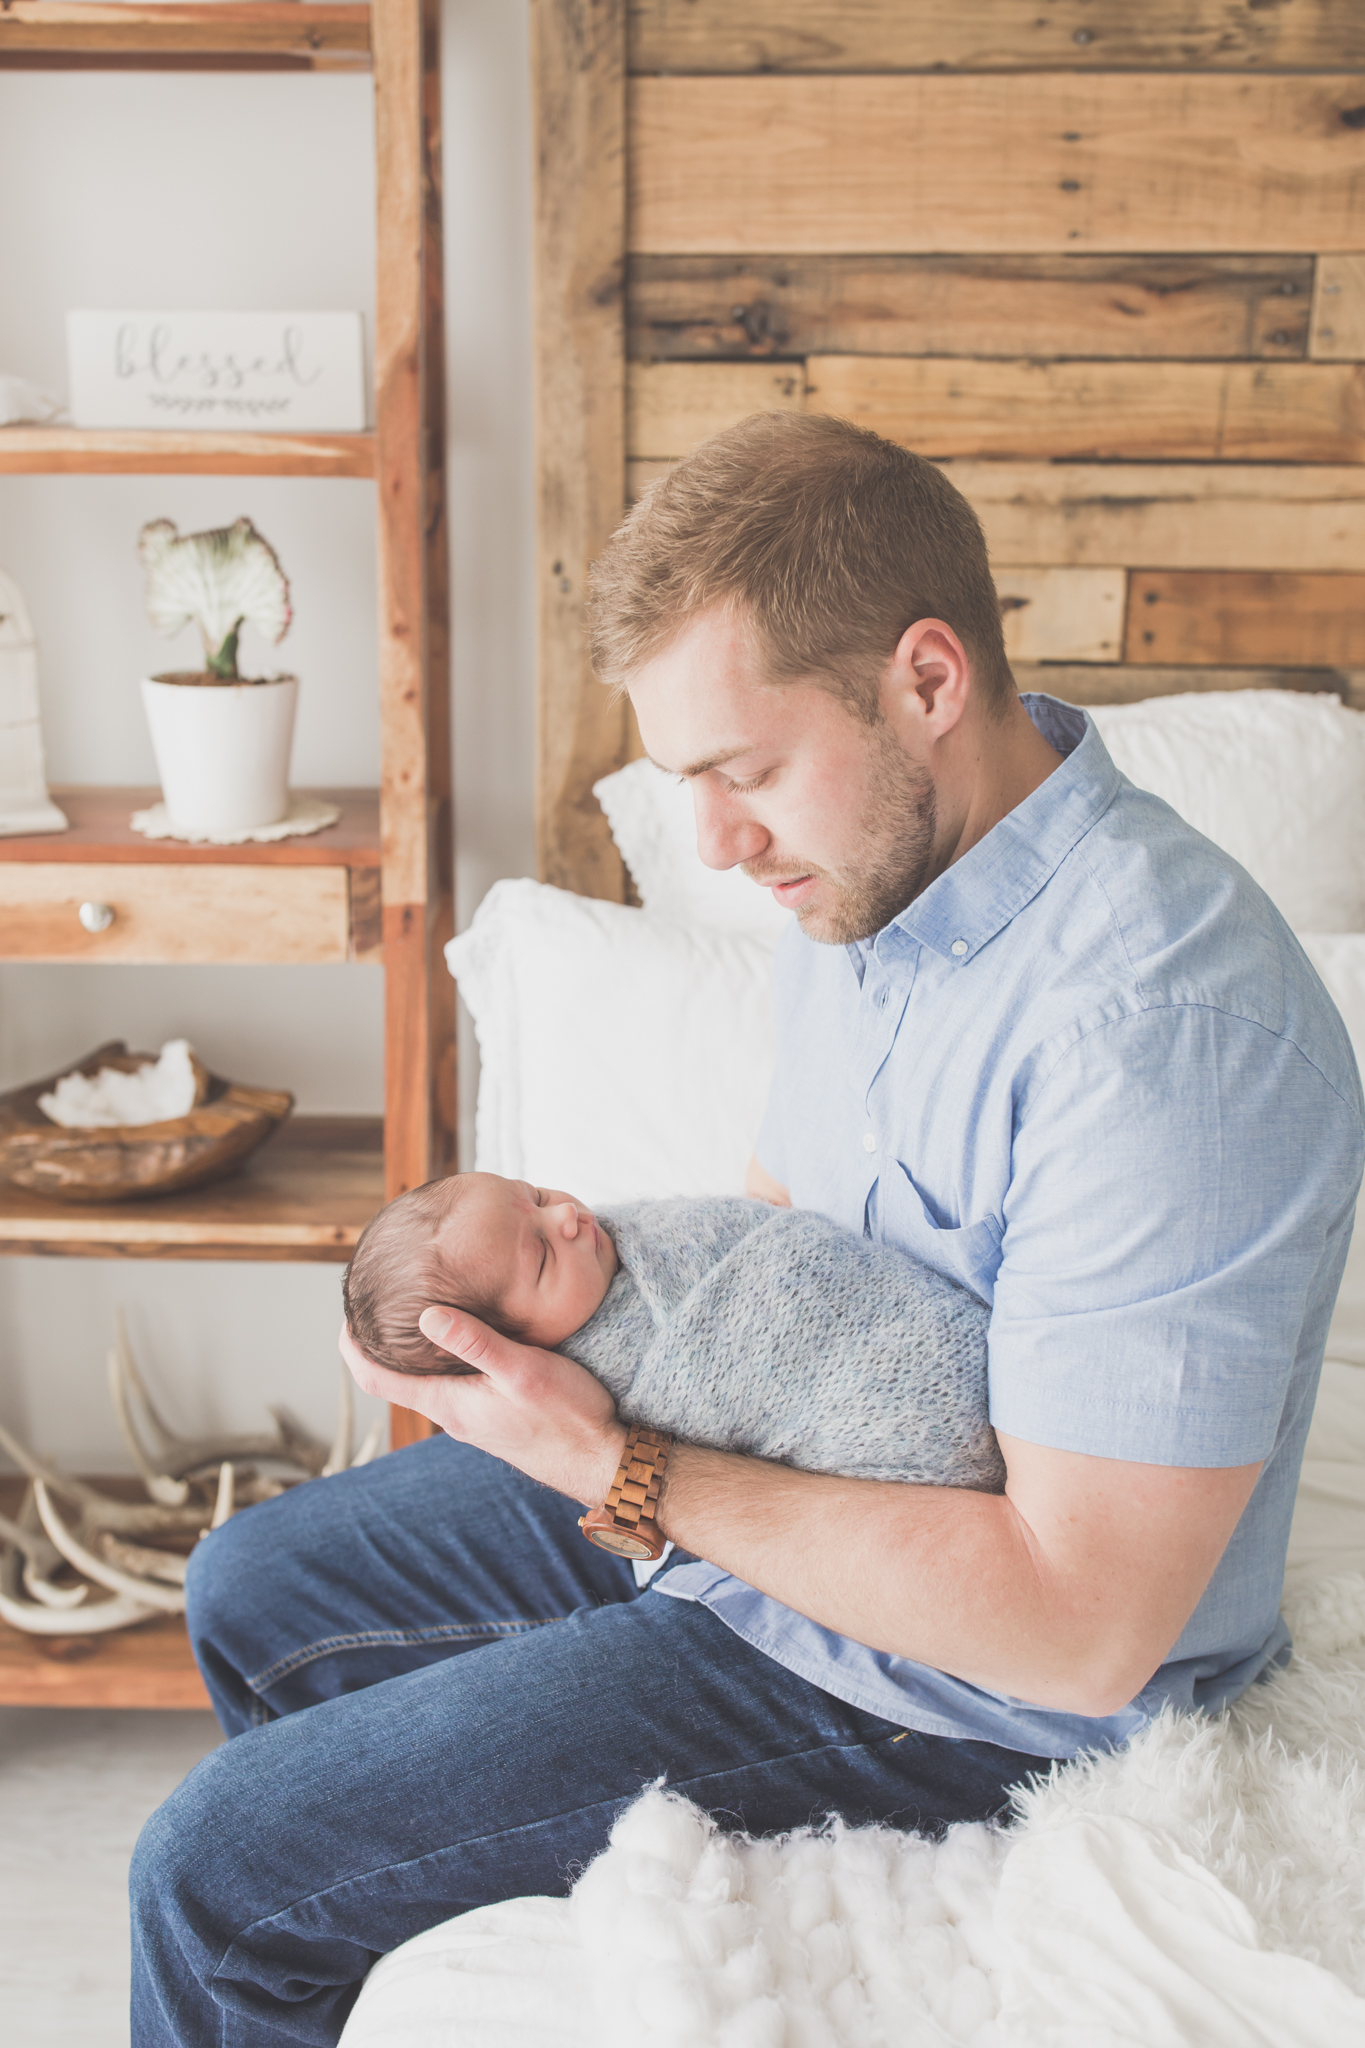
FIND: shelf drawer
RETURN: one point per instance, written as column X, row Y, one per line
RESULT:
column 163, row 912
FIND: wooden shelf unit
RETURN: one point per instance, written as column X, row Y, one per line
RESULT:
column 309, row 1191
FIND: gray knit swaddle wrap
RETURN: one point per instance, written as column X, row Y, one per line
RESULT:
column 776, row 1333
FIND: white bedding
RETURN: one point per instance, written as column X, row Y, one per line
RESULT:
column 1203, row 1889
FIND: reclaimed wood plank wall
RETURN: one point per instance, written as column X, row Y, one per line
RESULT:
column 1121, row 298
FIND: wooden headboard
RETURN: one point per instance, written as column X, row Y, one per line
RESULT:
column 1105, row 261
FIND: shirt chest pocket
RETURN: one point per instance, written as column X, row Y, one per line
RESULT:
column 968, row 1253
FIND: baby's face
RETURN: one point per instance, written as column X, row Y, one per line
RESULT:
column 540, row 1254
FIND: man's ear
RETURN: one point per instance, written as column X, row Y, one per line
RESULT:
column 928, row 679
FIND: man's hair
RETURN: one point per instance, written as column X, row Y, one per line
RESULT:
column 398, row 1268
column 826, row 540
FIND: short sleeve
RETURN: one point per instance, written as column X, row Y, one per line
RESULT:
column 1180, row 1196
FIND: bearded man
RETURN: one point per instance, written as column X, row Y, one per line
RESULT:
column 1033, row 1029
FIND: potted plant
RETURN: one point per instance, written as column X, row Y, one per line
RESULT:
column 222, row 740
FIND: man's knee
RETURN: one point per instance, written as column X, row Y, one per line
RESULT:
column 171, row 1876
column 230, row 1599
column 223, row 1577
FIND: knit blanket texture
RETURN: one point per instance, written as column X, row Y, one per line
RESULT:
column 776, row 1333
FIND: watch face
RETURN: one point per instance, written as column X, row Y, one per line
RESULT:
column 618, row 1541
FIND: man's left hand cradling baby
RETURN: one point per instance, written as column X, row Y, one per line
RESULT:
column 534, row 1409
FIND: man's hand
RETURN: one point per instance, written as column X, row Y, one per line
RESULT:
column 759, row 1183
column 536, row 1410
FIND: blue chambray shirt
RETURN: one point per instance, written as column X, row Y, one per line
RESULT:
column 1090, row 1075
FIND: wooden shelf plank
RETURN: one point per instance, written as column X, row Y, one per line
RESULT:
column 92, row 451
column 949, row 408
column 246, row 34
column 305, row 1197
column 704, row 308
column 1217, row 515
column 1176, row 412
column 1219, row 618
column 1120, row 161
column 100, row 831
column 717, row 36
column 147, row 1666
column 1120, row 683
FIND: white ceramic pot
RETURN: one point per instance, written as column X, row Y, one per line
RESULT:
column 222, row 750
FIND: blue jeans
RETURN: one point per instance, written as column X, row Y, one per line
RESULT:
column 442, row 1696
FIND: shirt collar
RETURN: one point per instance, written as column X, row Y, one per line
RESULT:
column 978, row 895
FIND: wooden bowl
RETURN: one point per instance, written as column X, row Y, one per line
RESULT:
column 122, row 1162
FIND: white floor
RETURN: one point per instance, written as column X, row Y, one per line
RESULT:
column 75, row 1788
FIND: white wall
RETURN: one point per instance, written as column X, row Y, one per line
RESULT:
column 192, row 191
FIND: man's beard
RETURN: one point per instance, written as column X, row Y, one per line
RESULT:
column 897, row 838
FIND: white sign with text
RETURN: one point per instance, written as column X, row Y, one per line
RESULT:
column 257, row 372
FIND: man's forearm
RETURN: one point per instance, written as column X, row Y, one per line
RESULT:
column 963, row 1581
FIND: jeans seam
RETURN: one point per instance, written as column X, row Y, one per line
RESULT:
column 813, row 1746
column 384, row 1638
column 622, row 1800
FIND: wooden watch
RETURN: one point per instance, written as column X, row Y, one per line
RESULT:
column 627, row 1523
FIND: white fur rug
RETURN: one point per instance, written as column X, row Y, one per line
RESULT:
column 1204, row 1888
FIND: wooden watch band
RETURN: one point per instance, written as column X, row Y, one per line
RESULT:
column 627, row 1522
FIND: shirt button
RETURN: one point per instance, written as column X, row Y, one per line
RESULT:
column 959, row 947
column 882, row 995
column 869, row 1142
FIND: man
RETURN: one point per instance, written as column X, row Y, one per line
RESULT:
column 1030, row 1027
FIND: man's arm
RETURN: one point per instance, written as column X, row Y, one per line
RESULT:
column 759, row 1183
column 1067, row 1591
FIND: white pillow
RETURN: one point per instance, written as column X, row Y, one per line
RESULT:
column 1340, row 959
column 655, row 828
column 1274, row 777
column 622, row 1054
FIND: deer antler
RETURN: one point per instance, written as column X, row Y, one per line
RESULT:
column 161, row 1598
column 224, row 1507
column 173, row 1457
column 140, row 1562
column 343, row 1438
column 40, row 1560
column 179, row 1474
column 36, row 1619
column 97, row 1510
column 372, row 1445
column 123, row 1376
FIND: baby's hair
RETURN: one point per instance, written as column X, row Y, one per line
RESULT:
column 398, row 1269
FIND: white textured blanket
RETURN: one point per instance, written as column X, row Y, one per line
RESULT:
column 1204, row 1888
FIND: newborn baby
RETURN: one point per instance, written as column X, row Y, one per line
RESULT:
column 725, row 1321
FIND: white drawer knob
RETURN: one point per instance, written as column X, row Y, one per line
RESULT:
column 97, row 917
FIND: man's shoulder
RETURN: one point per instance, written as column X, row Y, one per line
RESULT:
column 1142, row 914
column 1177, row 923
